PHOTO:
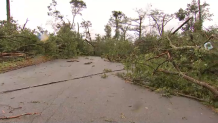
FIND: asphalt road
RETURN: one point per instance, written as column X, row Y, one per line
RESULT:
column 92, row 99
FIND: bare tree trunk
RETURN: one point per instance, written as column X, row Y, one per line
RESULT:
column 158, row 27
column 117, row 29
column 182, row 25
column 77, row 27
column 200, row 19
column 8, row 10
column 73, row 24
column 140, row 28
column 162, row 28
column 199, row 7
column 124, row 36
column 90, row 38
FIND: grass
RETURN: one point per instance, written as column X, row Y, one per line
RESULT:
column 107, row 70
column 19, row 63
column 104, row 76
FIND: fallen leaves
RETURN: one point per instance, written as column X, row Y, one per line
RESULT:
column 122, row 116
column 104, row 76
column 107, row 70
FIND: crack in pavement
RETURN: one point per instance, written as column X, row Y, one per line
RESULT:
column 51, row 104
column 59, row 104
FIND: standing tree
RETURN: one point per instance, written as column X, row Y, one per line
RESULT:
column 77, row 7
column 115, row 21
column 160, row 20
column 199, row 12
column 107, row 30
column 138, row 27
column 125, row 26
column 86, row 25
column 56, row 14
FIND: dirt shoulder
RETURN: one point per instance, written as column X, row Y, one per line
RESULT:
column 14, row 65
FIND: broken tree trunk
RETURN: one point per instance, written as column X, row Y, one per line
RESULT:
column 211, row 88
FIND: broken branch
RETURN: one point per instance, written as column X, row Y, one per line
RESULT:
column 12, row 117
column 25, row 24
column 201, row 83
column 181, row 48
column 159, row 55
column 182, row 25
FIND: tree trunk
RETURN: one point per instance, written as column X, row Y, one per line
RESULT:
column 200, row 19
column 78, row 30
column 90, row 38
column 117, row 29
column 201, row 83
column 162, row 28
column 73, row 24
column 8, row 10
column 124, row 35
column 140, row 28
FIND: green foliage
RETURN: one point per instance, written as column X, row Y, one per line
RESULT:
column 104, row 76
column 144, row 65
column 13, row 38
column 67, row 44
column 107, row 70
column 77, row 7
column 113, row 49
column 115, row 21
column 107, row 30
column 148, row 43
column 192, row 10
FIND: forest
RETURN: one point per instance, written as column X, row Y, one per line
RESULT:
column 182, row 61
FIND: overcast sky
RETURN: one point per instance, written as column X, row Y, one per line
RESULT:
column 98, row 11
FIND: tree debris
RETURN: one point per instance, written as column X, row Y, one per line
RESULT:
column 87, row 63
column 34, row 102
column 73, row 60
column 122, row 116
column 15, row 109
column 12, row 117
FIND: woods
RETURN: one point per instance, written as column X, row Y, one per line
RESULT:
column 182, row 60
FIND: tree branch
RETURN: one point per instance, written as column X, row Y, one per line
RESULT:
column 182, row 25
column 201, row 83
column 158, row 27
column 25, row 24
column 181, row 48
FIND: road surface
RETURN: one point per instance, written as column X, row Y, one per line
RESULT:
column 92, row 99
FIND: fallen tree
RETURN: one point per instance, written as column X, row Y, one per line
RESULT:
column 176, row 64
